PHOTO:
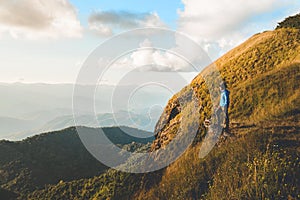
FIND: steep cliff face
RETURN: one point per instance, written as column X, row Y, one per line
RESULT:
column 262, row 75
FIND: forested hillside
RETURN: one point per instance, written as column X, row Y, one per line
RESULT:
column 260, row 160
column 53, row 157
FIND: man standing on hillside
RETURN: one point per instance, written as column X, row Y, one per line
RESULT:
column 224, row 105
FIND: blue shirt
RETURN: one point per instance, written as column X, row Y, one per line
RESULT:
column 224, row 100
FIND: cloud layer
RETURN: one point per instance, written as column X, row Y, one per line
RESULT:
column 219, row 25
column 106, row 23
column 39, row 18
column 148, row 58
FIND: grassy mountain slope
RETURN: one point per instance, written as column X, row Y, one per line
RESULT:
column 262, row 75
column 261, row 161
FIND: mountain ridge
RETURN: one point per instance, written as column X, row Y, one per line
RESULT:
column 47, row 158
column 239, row 68
column 261, row 161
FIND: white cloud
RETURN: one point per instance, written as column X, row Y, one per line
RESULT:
column 152, row 20
column 106, row 23
column 219, row 25
column 101, row 29
column 148, row 58
column 39, row 18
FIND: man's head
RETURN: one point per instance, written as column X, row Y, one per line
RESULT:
column 223, row 86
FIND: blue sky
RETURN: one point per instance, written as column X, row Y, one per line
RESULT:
column 166, row 9
column 47, row 41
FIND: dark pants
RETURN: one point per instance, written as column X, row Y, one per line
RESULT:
column 223, row 118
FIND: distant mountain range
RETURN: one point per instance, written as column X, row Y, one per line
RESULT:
column 16, row 127
column 28, row 109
